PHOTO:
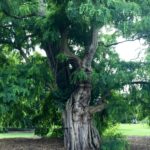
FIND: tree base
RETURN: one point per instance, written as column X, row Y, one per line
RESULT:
column 79, row 132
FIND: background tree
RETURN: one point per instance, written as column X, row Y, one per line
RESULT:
column 24, row 88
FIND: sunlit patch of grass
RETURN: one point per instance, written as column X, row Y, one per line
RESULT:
column 124, row 129
column 134, row 129
column 18, row 135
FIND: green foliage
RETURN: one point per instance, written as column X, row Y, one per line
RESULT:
column 113, row 143
column 112, row 130
column 31, row 88
column 24, row 88
column 79, row 76
column 48, row 116
column 41, row 131
column 62, row 57
column 113, row 140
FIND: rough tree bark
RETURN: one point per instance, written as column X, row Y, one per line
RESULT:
column 79, row 133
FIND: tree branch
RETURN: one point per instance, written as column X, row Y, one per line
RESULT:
column 135, row 83
column 65, row 49
column 7, row 26
column 91, row 49
column 51, row 59
column 139, row 82
column 98, row 108
column 23, row 54
column 129, row 40
column 9, row 42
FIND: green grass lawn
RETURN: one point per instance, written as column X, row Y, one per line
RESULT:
column 134, row 129
column 125, row 129
column 17, row 135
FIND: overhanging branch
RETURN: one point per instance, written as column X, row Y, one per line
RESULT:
column 139, row 82
column 124, row 41
column 135, row 83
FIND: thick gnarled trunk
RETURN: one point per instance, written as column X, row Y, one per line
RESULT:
column 79, row 132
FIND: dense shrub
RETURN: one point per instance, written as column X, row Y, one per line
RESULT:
column 114, row 143
column 113, row 140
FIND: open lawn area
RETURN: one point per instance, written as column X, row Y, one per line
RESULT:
column 125, row 129
column 17, row 135
column 134, row 129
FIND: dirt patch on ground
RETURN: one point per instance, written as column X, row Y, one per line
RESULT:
column 137, row 143
column 31, row 144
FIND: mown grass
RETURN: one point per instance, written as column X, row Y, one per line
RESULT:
column 17, row 135
column 134, row 129
column 124, row 129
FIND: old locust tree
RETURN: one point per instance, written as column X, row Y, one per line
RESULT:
column 70, row 33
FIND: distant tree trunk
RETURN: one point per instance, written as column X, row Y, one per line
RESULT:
column 79, row 132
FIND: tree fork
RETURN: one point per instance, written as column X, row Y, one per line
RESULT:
column 80, row 133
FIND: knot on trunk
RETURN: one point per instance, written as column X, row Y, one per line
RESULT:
column 82, row 116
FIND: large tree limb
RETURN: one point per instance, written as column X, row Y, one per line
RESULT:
column 98, row 108
column 51, row 59
column 65, row 49
column 91, row 49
